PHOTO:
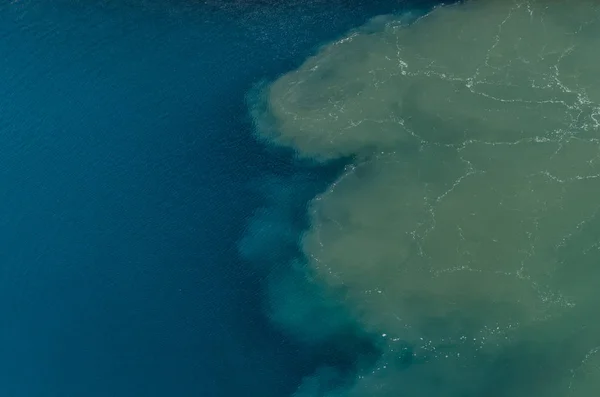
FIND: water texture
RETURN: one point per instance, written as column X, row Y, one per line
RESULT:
column 129, row 173
column 461, row 244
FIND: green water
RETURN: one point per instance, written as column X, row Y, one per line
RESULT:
column 464, row 237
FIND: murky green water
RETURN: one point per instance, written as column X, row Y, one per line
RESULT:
column 465, row 235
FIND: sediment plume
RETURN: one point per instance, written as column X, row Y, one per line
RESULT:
column 464, row 235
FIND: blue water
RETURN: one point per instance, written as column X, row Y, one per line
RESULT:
column 127, row 163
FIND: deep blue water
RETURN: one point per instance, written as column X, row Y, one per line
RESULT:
column 128, row 173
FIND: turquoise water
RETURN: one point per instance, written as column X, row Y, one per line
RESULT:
column 129, row 174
